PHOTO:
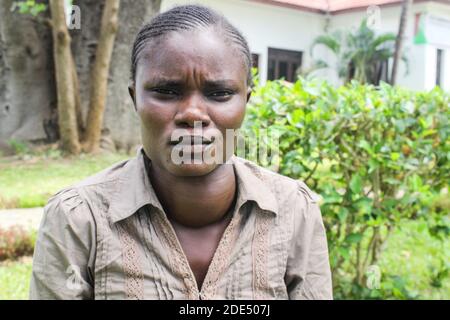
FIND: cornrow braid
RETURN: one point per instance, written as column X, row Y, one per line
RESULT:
column 189, row 17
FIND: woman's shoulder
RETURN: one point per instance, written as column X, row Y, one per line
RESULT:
column 76, row 200
column 66, row 208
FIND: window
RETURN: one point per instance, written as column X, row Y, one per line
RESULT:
column 255, row 60
column 283, row 64
column 439, row 64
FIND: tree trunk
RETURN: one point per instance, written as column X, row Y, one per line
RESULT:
column 76, row 88
column 99, row 75
column 120, row 125
column 84, row 46
column 27, row 95
column 64, row 79
column 406, row 4
column 4, row 106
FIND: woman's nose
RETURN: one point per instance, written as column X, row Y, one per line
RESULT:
column 191, row 110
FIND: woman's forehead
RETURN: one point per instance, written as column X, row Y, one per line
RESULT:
column 202, row 51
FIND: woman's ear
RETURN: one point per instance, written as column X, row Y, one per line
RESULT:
column 132, row 92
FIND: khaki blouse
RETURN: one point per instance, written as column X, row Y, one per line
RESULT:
column 108, row 237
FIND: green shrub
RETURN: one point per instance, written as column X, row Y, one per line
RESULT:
column 378, row 156
column 19, row 147
column 15, row 242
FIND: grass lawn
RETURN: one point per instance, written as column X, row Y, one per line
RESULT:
column 15, row 279
column 29, row 183
column 417, row 257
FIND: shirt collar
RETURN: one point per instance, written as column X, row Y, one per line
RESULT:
column 251, row 186
column 134, row 189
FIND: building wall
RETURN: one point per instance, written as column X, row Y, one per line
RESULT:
column 267, row 26
column 422, row 57
column 438, row 36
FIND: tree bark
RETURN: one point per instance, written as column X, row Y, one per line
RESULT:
column 84, row 46
column 99, row 75
column 121, row 125
column 76, row 88
column 65, row 79
column 27, row 95
column 27, row 75
column 4, row 106
column 406, row 4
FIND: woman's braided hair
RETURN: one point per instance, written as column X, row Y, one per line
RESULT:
column 188, row 17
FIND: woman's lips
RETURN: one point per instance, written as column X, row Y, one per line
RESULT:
column 190, row 145
column 191, row 140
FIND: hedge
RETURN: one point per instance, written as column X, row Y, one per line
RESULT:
column 377, row 156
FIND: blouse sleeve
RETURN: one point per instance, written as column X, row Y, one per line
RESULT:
column 308, row 274
column 63, row 260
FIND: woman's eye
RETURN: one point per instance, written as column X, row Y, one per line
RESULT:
column 221, row 95
column 164, row 91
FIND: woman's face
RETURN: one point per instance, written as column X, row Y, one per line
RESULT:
column 189, row 84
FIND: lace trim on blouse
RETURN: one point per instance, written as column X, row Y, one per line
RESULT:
column 132, row 263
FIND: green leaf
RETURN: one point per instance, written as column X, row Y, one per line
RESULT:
column 343, row 213
column 330, row 41
column 353, row 238
column 416, row 182
column 366, row 146
column 395, row 156
column 344, row 252
column 295, row 117
column 373, row 165
column 356, row 184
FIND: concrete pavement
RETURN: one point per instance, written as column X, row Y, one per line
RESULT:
column 26, row 218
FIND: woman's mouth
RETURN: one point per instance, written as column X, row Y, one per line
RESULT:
column 191, row 140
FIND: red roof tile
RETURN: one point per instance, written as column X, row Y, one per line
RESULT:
column 328, row 5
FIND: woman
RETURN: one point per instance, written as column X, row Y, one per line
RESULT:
column 169, row 224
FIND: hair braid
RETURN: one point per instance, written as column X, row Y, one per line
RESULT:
column 188, row 17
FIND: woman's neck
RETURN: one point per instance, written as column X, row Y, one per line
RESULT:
column 195, row 201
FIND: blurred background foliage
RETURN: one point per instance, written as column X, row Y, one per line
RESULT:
column 379, row 159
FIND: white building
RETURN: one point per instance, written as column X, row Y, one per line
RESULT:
column 280, row 33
